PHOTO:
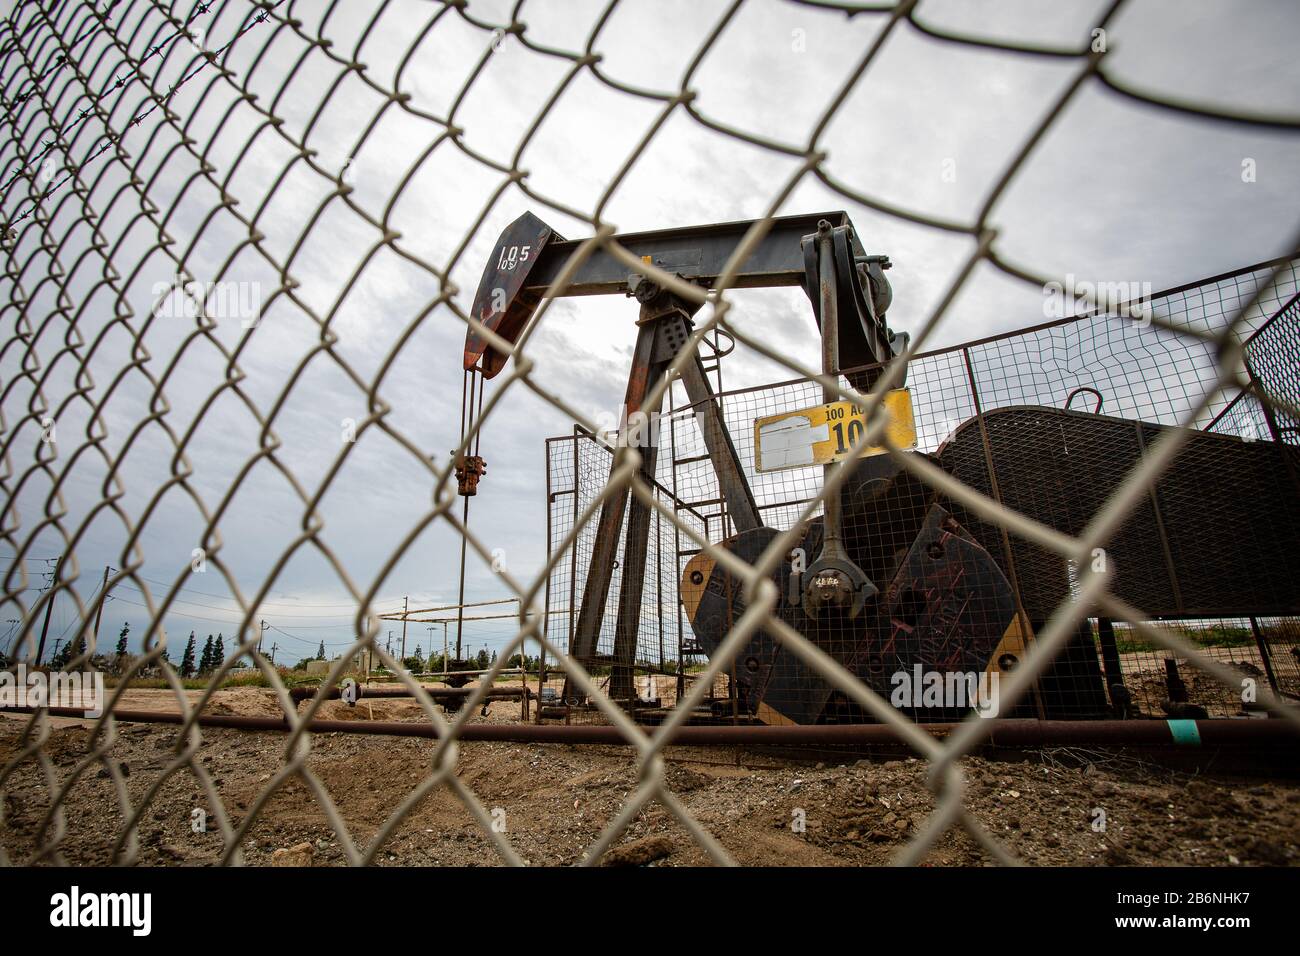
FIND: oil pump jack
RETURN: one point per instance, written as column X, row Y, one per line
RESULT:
column 892, row 577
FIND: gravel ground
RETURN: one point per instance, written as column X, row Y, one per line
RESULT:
column 555, row 800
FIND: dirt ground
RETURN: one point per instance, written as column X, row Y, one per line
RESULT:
column 555, row 800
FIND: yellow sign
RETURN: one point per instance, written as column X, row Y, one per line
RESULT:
column 826, row 433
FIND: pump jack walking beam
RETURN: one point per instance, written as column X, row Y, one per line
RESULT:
column 530, row 255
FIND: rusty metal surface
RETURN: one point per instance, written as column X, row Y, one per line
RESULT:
column 371, row 692
column 469, row 469
column 998, row 733
column 504, row 300
column 946, row 607
column 741, row 507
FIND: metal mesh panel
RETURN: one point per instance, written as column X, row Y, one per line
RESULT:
column 161, row 156
column 1135, row 378
column 1273, row 358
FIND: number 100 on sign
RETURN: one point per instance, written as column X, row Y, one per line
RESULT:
column 826, row 433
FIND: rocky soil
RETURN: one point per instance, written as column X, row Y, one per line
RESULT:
column 553, row 801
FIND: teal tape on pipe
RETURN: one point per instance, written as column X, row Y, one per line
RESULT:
column 1184, row 732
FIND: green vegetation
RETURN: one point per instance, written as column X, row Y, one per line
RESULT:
column 1129, row 641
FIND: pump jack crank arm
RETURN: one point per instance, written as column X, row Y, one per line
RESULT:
column 833, row 548
column 833, row 582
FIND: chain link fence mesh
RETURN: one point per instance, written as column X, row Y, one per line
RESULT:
column 129, row 125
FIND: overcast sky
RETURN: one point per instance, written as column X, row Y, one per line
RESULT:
column 1116, row 191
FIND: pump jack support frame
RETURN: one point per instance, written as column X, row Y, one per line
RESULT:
column 663, row 328
column 528, row 258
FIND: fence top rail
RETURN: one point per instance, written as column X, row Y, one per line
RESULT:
column 1044, row 326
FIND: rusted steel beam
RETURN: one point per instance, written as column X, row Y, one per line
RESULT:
column 609, row 527
column 1001, row 733
column 741, row 505
column 436, row 693
column 696, row 253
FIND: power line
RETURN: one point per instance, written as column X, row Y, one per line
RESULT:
column 215, row 607
column 265, row 603
column 13, row 628
column 319, row 627
column 261, row 606
column 182, row 614
column 308, row 641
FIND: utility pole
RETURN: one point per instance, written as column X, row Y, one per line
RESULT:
column 55, row 653
column 40, row 648
column 261, row 633
column 445, row 662
column 406, row 607
column 99, row 611
column 388, row 647
column 273, row 649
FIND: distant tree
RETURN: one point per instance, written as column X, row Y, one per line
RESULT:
column 419, row 652
column 187, row 659
column 413, row 663
column 120, row 656
column 320, row 652
column 70, row 652
column 483, row 659
column 218, row 652
column 205, row 659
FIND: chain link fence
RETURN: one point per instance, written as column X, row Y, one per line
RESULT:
column 137, row 186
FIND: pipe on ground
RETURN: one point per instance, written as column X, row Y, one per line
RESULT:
column 307, row 692
column 1001, row 733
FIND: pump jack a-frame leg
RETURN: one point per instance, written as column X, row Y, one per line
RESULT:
column 663, row 328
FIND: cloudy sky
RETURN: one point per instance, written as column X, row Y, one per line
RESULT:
column 1115, row 191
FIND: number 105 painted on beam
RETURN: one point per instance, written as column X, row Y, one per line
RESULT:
column 511, row 256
